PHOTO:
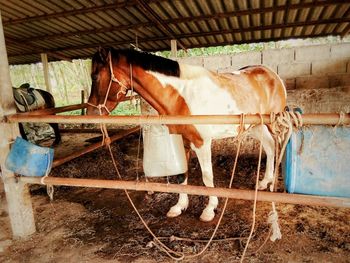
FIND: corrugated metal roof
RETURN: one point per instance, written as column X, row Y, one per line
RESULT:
column 74, row 29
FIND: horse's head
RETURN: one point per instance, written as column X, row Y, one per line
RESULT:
column 110, row 81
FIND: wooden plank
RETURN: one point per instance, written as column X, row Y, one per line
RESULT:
column 17, row 194
column 173, row 45
column 93, row 147
column 195, row 190
column 86, row 130
column 45, row 63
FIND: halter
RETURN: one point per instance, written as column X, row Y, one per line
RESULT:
column 123, row 87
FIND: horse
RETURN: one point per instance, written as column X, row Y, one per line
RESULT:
column 29, row 99
column 173, row 88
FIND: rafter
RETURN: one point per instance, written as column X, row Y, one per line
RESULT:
column 70, row 13
column 37, row 49
column 183, row 20
column 205, row 45
column 199, row 34
column 149, row 12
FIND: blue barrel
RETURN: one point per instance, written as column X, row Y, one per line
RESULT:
column 29, row 159
column 317, row 161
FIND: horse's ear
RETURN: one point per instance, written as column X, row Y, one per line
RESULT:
column 103, row 52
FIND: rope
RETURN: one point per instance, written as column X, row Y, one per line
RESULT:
column 281, row 126
column 239, row 137
column 341, row 119
column 255, row 193
column 156, row 241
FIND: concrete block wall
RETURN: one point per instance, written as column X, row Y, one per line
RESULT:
column 312, row 74
column 307, row 67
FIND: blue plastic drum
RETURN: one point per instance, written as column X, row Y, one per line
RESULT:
column 317, row 161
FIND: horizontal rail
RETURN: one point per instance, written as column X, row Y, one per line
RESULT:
column 86, row 130
column 93, row 147
column 50, row 111
column 194, row 190
column 308, row 119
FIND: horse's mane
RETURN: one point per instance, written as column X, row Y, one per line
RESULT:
column 145, row 60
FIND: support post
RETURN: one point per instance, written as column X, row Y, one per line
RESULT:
column 45, row 62
column 173, row 44
column 17, row 193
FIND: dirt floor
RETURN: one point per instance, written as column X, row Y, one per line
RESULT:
column 99, row 225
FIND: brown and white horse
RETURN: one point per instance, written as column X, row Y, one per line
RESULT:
column 178, row 89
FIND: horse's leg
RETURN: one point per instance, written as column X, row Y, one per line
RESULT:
column 22, row 132
column 268, row 144
column 182, row 203
column 57, row 133
column 204, row 158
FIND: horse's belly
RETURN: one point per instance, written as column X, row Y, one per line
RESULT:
column 217, row 131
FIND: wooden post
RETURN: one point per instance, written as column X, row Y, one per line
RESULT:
column 173, row 44
column 46, row 72
column 82, row 93
column 17, row 193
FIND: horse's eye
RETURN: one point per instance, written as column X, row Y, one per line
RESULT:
column 94, row 77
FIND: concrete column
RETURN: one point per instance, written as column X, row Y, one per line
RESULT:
column 17, row 194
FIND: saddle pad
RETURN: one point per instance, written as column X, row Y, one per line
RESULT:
column 28, row 101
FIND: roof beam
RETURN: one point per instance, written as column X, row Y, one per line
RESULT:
column 199, row 34
column 70, row 13
column 135, row 2
column 181, row 20
column 228, row 43
column 149, row 12
column 37, row 49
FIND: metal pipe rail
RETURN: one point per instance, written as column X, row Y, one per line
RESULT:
column 194, row 190
column 308, row 119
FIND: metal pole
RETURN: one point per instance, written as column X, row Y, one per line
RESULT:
column 194, row 190
column 308, row 119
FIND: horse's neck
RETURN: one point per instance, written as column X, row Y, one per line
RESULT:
column 192, row 72
column 162, row 98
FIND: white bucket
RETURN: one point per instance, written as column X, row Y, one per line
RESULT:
column 163, row 153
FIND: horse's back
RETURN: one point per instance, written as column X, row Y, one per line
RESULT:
column 256, row 89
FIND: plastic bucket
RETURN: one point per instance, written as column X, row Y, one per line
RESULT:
column 163, row 153
column 29, row 159
column 317, row 161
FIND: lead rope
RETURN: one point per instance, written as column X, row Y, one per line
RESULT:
column 255, row 193
column 159, row 244
column 240, row 138
column 106, row 140
column 282, row 128
column 156, row 241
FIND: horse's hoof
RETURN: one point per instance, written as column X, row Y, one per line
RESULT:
column 263, row 184
column 174, row 211
column 207, row 215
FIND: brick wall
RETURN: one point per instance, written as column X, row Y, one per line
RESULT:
column 301, row 68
